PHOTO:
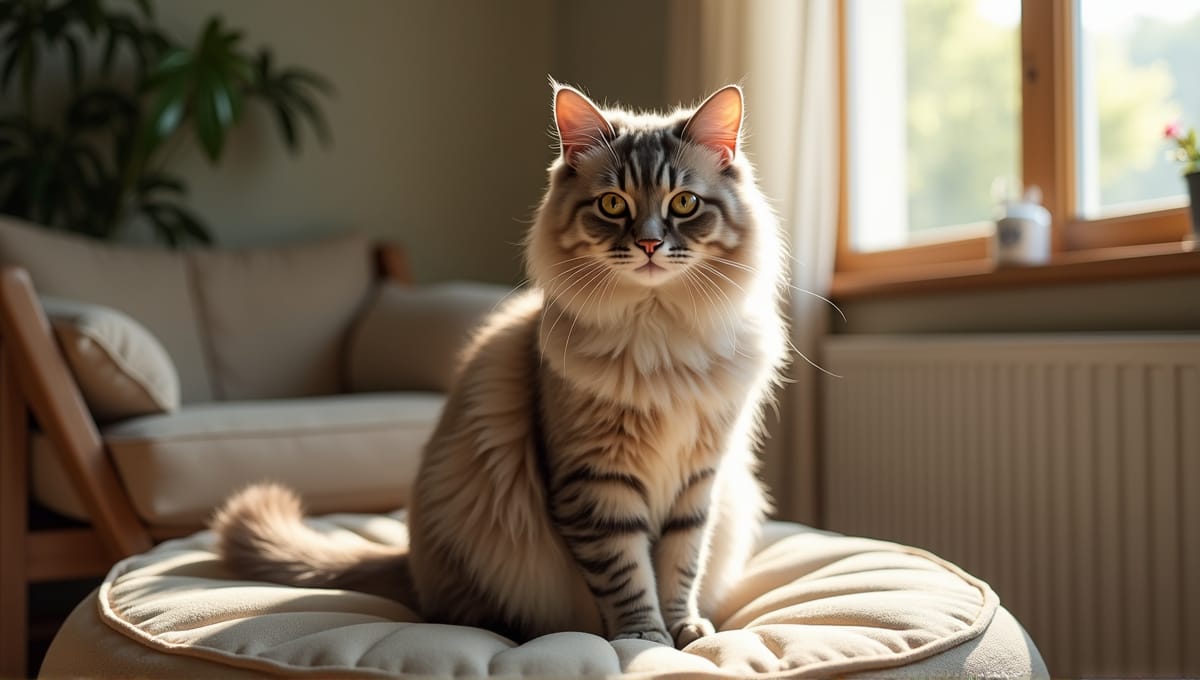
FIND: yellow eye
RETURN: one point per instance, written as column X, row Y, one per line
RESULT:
column 684, row 203
column 612, row 205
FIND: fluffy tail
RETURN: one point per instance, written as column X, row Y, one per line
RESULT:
column 261, row 536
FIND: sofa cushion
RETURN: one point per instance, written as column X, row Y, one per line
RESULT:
column 350, row 453
column 150, row 285
column 811, row 604
column 409, row 338
column 120, row 367
column 276, row 318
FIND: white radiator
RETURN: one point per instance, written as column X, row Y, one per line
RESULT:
column 1064, row 470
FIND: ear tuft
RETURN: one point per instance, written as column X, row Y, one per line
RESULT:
column 717, row 124
column 581, row 126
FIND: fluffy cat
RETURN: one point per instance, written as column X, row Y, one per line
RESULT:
column 593, row 469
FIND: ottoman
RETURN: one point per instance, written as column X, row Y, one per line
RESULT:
column 811, row 604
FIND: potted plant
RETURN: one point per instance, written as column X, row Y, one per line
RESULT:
column 101, row 161
column 1186, row 152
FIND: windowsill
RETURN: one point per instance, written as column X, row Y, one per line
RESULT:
column 1156, row 260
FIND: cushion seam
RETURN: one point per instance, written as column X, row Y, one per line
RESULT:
column 139, row 378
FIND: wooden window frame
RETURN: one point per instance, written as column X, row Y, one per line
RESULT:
column 1130, row 246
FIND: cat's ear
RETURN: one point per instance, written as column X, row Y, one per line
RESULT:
column 717, row 124
column 581, row 126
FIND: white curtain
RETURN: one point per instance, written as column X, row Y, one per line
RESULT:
column 783, row 54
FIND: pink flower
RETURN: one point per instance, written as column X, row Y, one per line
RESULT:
column 1172, row 130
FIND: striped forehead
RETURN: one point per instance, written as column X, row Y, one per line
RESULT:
column 645, row 159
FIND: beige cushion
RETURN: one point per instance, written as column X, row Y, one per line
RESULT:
column 351, row 453
column 276, row 318
column 811, row 604
column 409, row 338
column 147, row 284
column 120, row 368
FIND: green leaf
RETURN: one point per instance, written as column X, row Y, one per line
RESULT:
column 316, row 119
column 308, row 78
column 167, row 112
column 155, row 182
column 172, row 221
column 209, row 127
column 175, row 63
column 287, row 127
column 73, row 60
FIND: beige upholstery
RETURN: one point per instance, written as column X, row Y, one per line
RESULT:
column 349, row 453
column 811, row 604
column 408, row 338
column 150, row 285
column 276, row 319
column 122, row 369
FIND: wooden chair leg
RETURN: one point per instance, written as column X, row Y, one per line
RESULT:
column 14, row 524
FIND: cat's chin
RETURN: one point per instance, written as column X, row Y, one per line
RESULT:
column 650, row 275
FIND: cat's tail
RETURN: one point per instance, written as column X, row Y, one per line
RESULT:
column 261, row 536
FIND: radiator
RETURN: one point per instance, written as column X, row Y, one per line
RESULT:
column 1064, row 470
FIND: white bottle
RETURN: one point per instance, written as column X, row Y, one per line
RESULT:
column 1022, row 235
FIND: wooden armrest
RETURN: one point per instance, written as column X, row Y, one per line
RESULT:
column 48, row 387
column 392, row 261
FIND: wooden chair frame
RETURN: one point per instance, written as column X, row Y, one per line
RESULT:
column 36, row 383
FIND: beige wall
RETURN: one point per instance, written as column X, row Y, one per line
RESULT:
column 615, row 49
column 439, row 120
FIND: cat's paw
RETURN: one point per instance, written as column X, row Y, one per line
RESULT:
column 656, row 635
column 689, row 630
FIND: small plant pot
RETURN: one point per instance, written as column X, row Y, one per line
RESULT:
column 1193, row 182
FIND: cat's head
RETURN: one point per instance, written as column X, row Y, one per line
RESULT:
column 648, row 205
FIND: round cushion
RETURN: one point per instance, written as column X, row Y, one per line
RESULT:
column 811, row 603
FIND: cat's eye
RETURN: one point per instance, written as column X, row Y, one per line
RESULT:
column 612, row 205
column 684, row 203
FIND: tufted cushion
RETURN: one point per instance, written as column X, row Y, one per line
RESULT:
column 811, row 604
column 120, row 367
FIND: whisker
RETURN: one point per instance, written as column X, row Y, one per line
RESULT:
column 553, row 295
column 729, row 310
column 582, row 287
column 810, row 361
column 789, row 284
column 608, row 274
column 718, row 272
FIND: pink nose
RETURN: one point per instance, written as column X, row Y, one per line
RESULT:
column 650, row 244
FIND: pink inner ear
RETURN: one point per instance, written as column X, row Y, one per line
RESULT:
column 718, row 122
column 581, row 126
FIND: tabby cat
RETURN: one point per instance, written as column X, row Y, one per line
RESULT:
column 593, row 469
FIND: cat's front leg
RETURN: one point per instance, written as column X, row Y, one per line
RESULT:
column 603, row 520
column 679, row 558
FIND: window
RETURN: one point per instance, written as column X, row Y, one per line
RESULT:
column 949, row 105
column 1133, row 61
column 934, row 110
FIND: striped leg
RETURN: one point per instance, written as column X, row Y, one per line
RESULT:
column 602, row 518
column 681, row 551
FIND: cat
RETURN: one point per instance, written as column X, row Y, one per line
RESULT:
column 593, row 469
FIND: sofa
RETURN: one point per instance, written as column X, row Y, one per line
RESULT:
column 158, row 382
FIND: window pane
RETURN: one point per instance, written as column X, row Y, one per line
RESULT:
column 1138, row 71
column 934, row 115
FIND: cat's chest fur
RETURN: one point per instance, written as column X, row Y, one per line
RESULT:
column 643, row 400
